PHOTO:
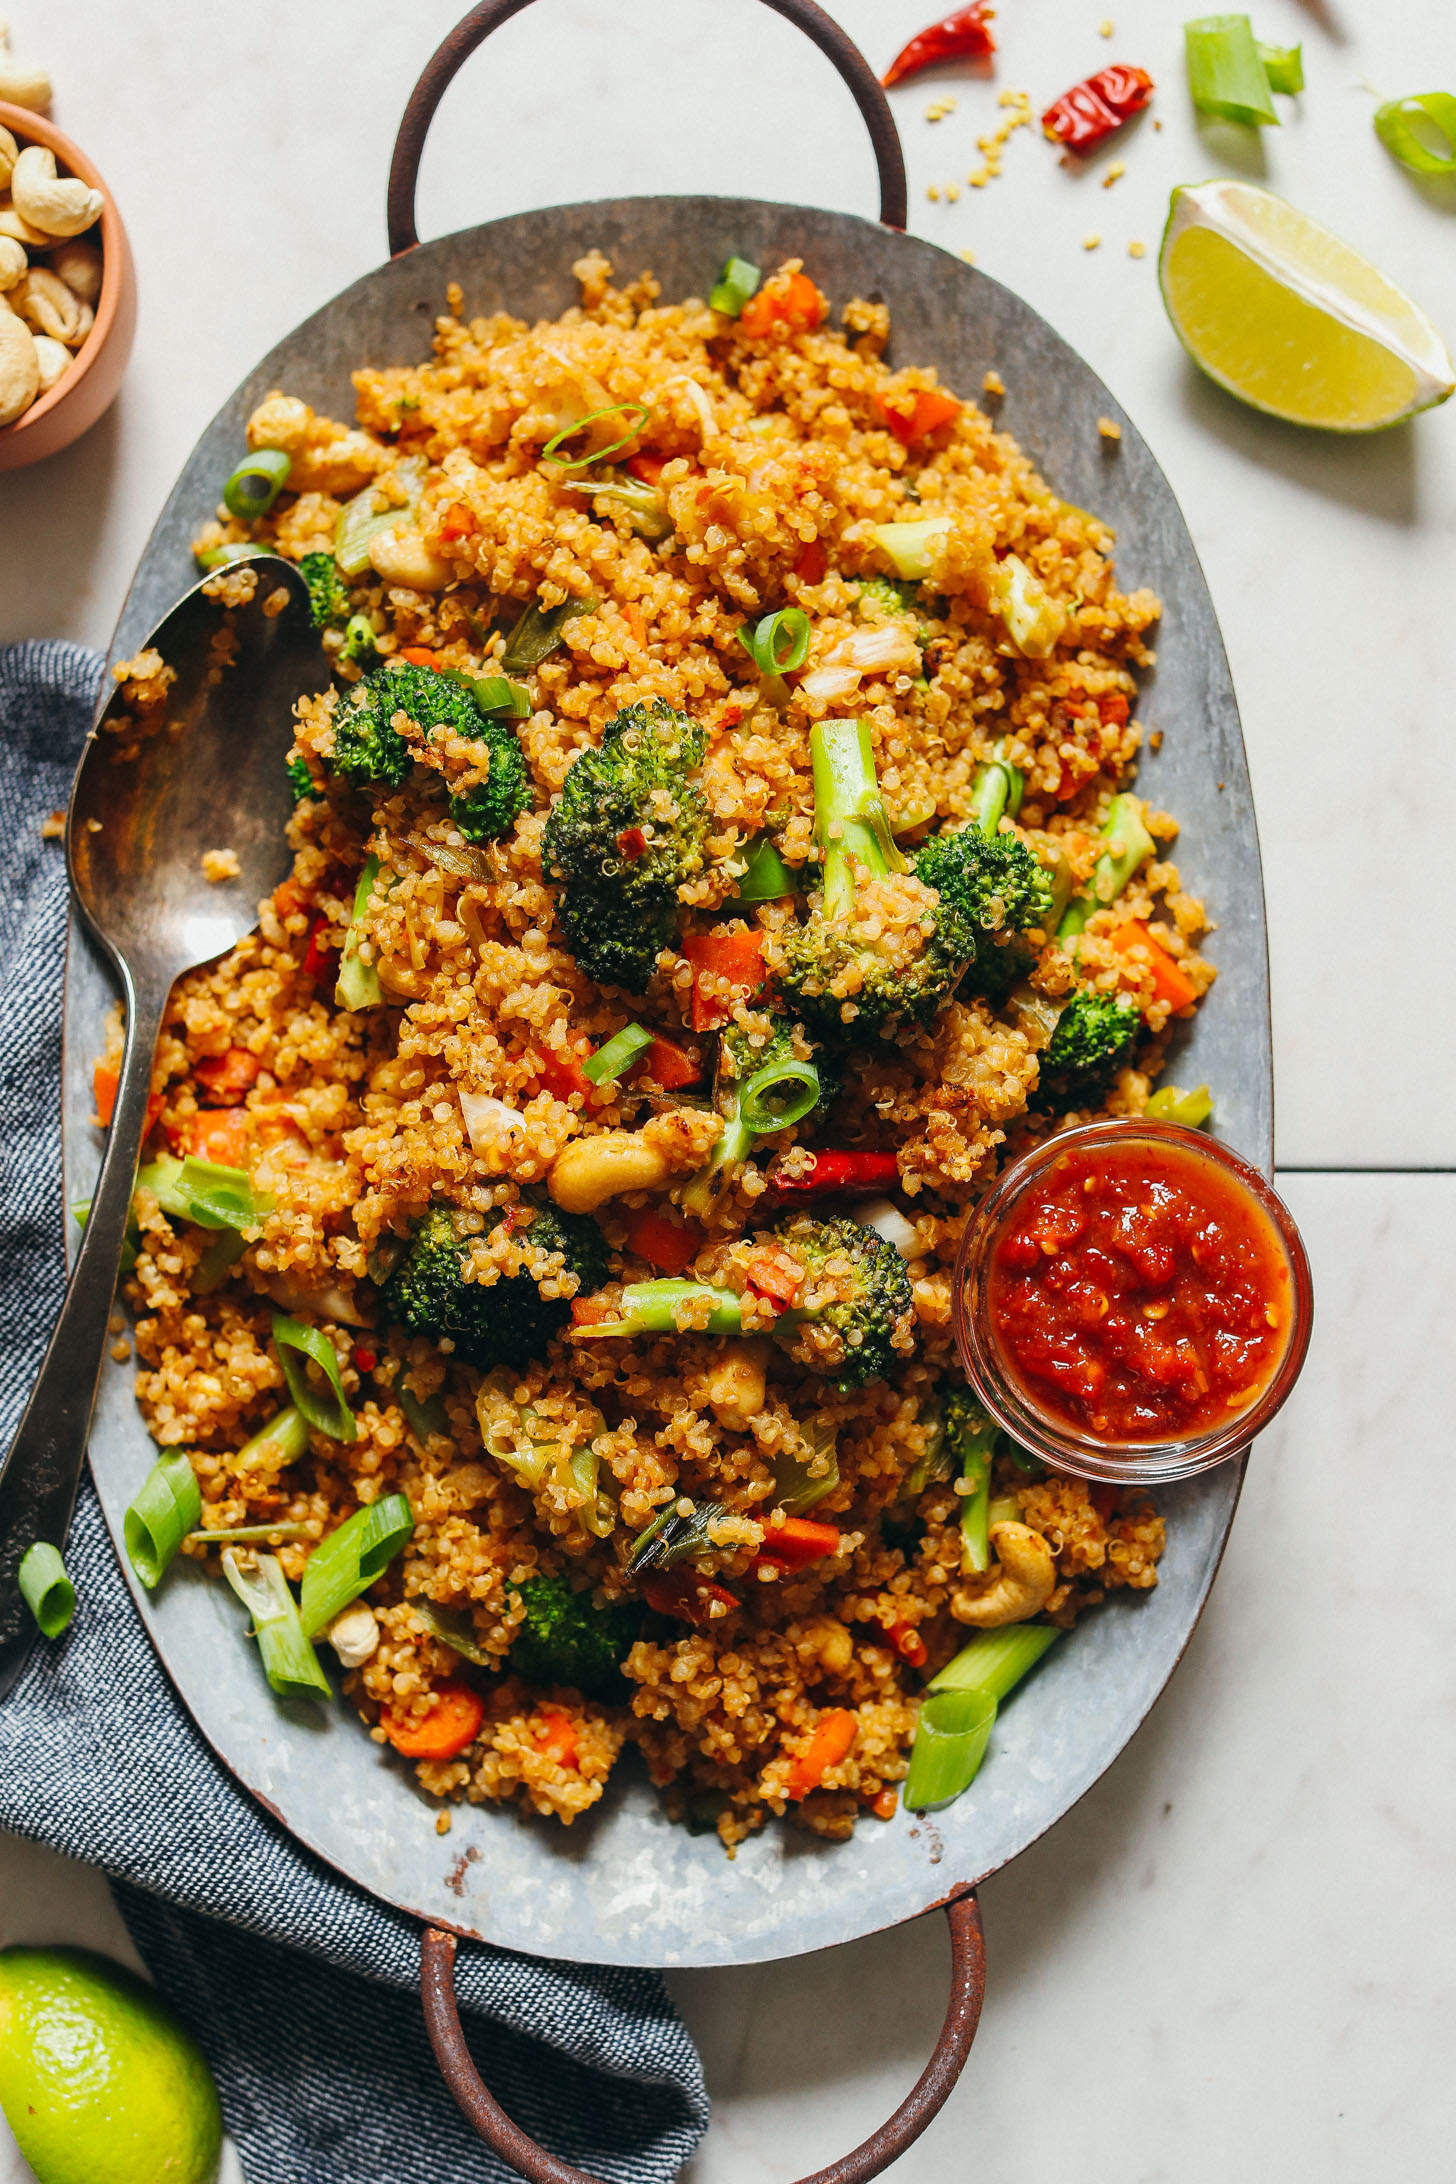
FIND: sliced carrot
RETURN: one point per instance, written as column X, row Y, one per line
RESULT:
column 222, row 1134
column 288, row 896
column 671, row 1065
column 555, row 1732
column 591, row 1312
column 561, row 1073
column 775, row 1275
column 812, row 563
column 457, row 522
column 788, row 303
column 670, row 1246
column 1170, row 982
column 885, row 1805
column 798, row 1541
column 418, row 655
column 687, row 1597
column 915, row 417
column 832, row 1741
column 736, row 957
column 452, row 1723
column 648, row 468
column 1112, row 707
column 104, row 1082
column 224, row 1078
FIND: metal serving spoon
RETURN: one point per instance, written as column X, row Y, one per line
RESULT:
column 145, row 808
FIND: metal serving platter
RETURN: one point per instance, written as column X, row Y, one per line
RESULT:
column 623, row 1886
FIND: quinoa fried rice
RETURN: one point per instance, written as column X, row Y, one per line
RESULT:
column 774, row 446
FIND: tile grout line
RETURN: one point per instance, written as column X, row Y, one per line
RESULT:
column 1297, row 1168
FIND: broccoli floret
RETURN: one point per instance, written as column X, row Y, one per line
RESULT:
column 300, row 780
column 626, row 832
column 328, row 595
column 896, row 594
column 507, row 1322
column 989, row 883
column 1095, row 1035
column 823, row 966
column 776, row 1104
column 565, row 1639
column 368, row 749
column 870, row 1302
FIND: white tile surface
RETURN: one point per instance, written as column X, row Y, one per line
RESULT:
column 1231, row 1960
column 254, row 188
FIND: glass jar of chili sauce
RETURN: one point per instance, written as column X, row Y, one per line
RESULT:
column 1132, row 1301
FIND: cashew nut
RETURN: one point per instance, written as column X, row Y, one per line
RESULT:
column 354, row 1634
column 21, row 86
column 45, row 303
column 53, row 358
column 22, row 231
column 830, row 1642
column 85, row 320
column 58, row 204
column 401, row 556
column 13, row 261
column 9, row 153
column 79, row 265
column 738, row 1385
column 19, row 368
column 1021, row 1585
column 589, row 1171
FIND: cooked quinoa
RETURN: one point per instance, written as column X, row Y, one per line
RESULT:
column 773, row 456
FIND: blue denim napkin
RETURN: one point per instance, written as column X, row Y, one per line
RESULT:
column 302, row 1991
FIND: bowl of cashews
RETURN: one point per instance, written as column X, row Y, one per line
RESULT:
column 67, row 290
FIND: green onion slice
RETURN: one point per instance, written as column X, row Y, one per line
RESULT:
column 1192, row 1109
column 236, row 1534
column 289, row 1661
column 995, row 1661
column 237, row 549
column 779, row 643
column 280, row 1443
column 1420, row 131
column 217, row 1262
column 777, row 1095
column 950, row 1743
column 357, row 984
column 332, row 1418
column 48, row 1592
column 804, row 1478
column 766, row 878
column 348, row 1561
column 204, row 1192
column 167, row 1507
column 423, row 1419
column 1283, row 65
column 538, row 633
column 256, row 483
column 638, row 411
column 493, row 693
column 735, row 284
column 454, row 1628
column 1225, row 74
column 619, row 1053
column 81, row 1214
column 359, row 519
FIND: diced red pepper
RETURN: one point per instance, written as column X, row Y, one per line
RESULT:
column 591, row 1311
column 907, row 1642
column 787, row 303
column 797, row 1542
column 224, row 1078
column 773, row 1274
column 812, row 563
column 648, row 468
column 458, row 521
column 288, row 896
column 1170, row 982
column 418, row 655
column 631, row 844
column 365, row 1360
column 734, row 956
column 671, row 1246
column 1113, row 708
column 318, row 950
column 837, row 1172
column 672, row 1066
column 965, row 35
column 1095, row 108
column 928, row 409
column 561, row 1073
column 687, row 1597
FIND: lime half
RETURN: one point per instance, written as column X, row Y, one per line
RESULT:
column 99, row 2081
column 1289, row 318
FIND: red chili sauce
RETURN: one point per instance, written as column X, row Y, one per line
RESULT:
column 1139, row 1294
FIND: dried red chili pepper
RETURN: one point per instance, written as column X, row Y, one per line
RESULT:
column 833, row 1172
column 1093, row 109
column 956, row 37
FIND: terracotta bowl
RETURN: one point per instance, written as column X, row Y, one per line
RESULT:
column 73, row 405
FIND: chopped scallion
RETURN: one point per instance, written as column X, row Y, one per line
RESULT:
column 332, row 1418
column 1284, row 66
column 348, row 1561
column 236, row 549
column 538, row 632
column 619, row 1053
column 1420, row 131
column 256, row 483
column 454, row 1628
column 766, row 878
column 423, row 1419
column 733, row 287
column 638, row 411
column 357, row 985
column 81, row 1214
column 494, row 693
column 167, row 1507
column 360, row 519
column 803, row 1477
column 1192, row 1109
column 1225, row 73
column 781, row 1093
column 236, row 1535
column 47, row 1591
column 779, row 643
column 274, row 1446
column 960, row 1710
column 289, row 1661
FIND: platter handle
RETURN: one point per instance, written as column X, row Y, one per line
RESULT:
column 480, row 2107
column 477, row 26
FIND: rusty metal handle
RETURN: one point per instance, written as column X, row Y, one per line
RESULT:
column 477, row 26
column 481, row 2108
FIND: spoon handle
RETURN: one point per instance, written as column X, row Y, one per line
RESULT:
column 40, row 1474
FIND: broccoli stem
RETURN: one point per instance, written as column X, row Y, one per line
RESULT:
column 1129, row 847
column 997, row 794
column 728, row 1155
column 651, row 1308
column 976, row 1451
column 996, row 1660
column 850, row 820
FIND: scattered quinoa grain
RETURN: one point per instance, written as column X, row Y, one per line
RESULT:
column 1092, row 241
column 53, row 826
column 1137, row 250
column 220, row 864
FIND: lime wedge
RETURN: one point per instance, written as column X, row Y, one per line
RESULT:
column 1289, row 318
